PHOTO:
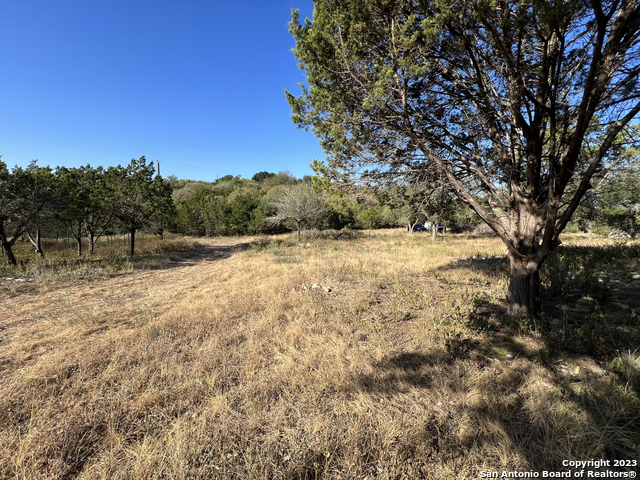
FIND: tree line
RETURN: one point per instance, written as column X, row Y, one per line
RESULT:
column 277, row 202
column 88, row 202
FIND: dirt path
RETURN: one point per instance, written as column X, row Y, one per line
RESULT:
column 125, row 294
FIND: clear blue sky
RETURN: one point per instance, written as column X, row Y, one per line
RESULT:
column 197, row 83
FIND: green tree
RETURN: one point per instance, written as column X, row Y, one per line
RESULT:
column 165, row 212
column 85, row 203
column 72, row 193
column 24, row 195
column 44, row 199
column 201, row 210
column 621, row 201
column 371, row 217
column 137, row 196
column 261, row 176
column 214, row 216
column 499, row 96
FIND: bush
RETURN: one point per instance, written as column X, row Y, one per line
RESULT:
column 331, row 234
column 482, row 229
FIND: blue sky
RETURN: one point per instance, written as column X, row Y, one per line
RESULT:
column 197, row 83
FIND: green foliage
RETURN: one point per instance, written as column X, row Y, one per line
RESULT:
column 244, row 215
column 371, row 217
column 26, row 198
column 138, row 197
column 582, row 268
column 621, row 201
column 340, row 214
column 459, row 96
column 261, row 176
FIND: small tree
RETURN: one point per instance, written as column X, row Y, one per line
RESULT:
column 300, row 204
column 72, row 194
column 23, row 198
column 43, row 203
column 371, row 217
column 165, row 208
column 137, row 195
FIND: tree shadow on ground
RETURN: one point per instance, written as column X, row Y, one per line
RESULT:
column 586, row 296
column 526, row 395
column 503, row 405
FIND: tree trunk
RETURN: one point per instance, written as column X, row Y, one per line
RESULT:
column 590, row 230
column 434, row 229
column 132, row 234
column 11, row 259
column 78, row 238
column 298, row 231
column 524, row 289
column 91, row 242
column 36, row 243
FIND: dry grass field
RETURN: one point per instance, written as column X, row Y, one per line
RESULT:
column 386, row 356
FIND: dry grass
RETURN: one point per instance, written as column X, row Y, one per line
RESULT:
column 237, row 363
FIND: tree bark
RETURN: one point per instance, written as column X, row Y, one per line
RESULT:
column 78, row 237
column 434, row 228
column 132, row 234
column 10, row 256
column 7, row 244
column 91, row 242
column 36, row 243
column 523, row 295
column 11, row 259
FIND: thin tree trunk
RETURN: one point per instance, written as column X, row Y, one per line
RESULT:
column 590, row 230
column 132, row 233
column 7, row 245
column 298, row 231
column 434, row 229
column 11, row 259
column 91, row 242
column 36, row 243
column 524, row 289
column 78, row 237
